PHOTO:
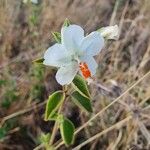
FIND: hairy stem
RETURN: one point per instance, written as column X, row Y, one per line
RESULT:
column 55, row 128
column 57, row 123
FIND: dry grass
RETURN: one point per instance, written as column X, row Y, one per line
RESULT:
column 25, row 33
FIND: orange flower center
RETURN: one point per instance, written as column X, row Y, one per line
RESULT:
column 85, row 70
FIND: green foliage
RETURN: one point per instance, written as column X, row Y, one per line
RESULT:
column 34, row 15
column 37, row 92
column 37, row 77
column 54, row 116
column 80, row 85
column 2, row 82
column 66, row 22
column 39, row 61
column 33, row 19
column 67, row 131
column 3, row 133
column 57, row 36
column 53, row 103
column 10, row 124
column 83, row 102
column 44, row 138
column 10, row 95
column 37, row 71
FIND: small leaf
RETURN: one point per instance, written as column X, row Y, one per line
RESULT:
column 66, row 22
column 81, row 101
column 3, row 133
column 39, row 61
column 57, row 36
column 53, row 103
column 80, row 85
column 67, row 131
column 44, row 138
column 53, row 117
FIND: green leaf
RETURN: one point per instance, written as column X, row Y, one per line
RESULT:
column 3, row 132
column 83, row 102
column 53, row 117
column 66, row 22
column 67, row 131
column 3, row 82
column 80, row 85
column 57, row 36
column 44, row 138
column 53, row 103
column 39, row 61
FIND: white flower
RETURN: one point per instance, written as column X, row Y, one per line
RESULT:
column 75, row 53
column 110, row 32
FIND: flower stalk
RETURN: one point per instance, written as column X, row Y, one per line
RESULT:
column 56, row 125
column 55, row 128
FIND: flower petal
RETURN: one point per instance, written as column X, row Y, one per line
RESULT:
column 92, row 44
column 56, row 56
column 72, row 37
column 110, row 32
column 66, row 74
column 92, row 64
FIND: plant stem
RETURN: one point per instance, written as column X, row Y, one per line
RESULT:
column 104, row 109
column 57, row 123
column 55, row 129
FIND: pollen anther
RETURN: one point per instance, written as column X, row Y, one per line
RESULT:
column 85, row 70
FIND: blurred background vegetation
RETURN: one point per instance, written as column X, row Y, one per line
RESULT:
column 25, row 34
